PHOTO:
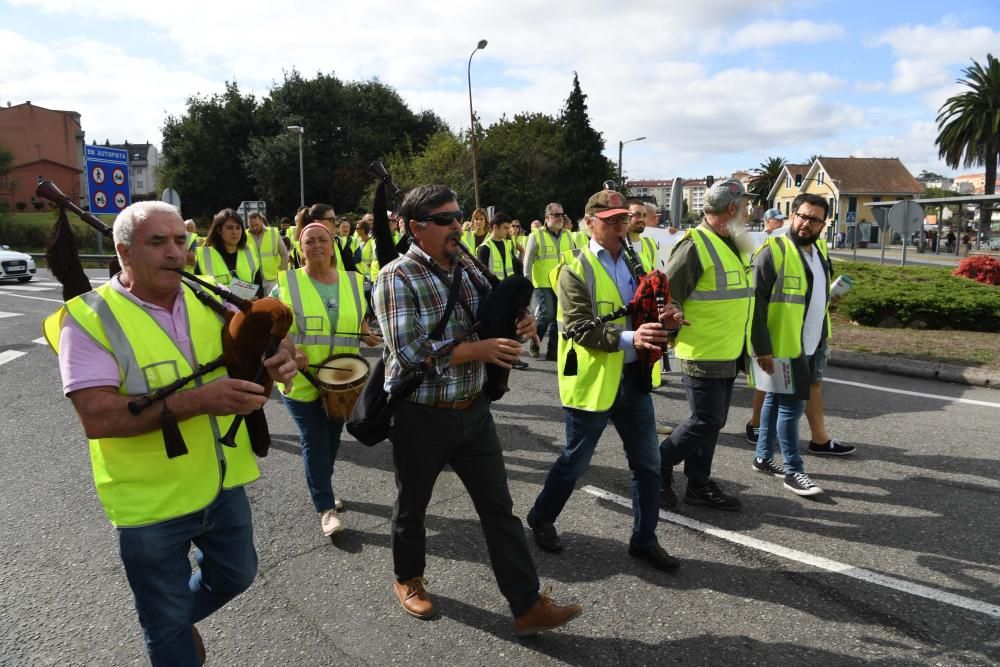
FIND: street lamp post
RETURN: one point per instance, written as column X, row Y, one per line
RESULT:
column 298, row 129
column 472, row 121
column 621, row 145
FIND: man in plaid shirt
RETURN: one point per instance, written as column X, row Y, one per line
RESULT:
column 447, row 421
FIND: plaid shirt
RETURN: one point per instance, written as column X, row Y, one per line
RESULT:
column 409, row 302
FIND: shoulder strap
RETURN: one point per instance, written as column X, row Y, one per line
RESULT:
column 456, row 282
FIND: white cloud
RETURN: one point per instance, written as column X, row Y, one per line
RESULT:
column 768, row 34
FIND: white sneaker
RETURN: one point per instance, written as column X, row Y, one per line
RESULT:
column 338, row 503
column 331, row 523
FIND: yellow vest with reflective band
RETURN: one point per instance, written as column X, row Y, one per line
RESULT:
column 210, row 263
column 469, row 239
column 547, row 251
column 786, row 311
column 519, row 242
column 721, row 306
column 580, row 238
column 501, row 266
column 599, row 373
column 647, row 252
column 192, row 246
column 367, row 256
column 136, row 482
column 269, row 255
column 351, row 241
column 311, row 329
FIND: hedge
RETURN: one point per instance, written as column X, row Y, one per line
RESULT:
column 922, row 297
column 28, row 232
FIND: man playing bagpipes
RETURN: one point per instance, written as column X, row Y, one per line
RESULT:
column 142, row 330
column 605, row 375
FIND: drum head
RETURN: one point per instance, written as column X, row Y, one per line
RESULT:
column 342, row 370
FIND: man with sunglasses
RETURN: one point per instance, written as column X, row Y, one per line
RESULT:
column 447, row 420
column 541, row 256
column 601, row 379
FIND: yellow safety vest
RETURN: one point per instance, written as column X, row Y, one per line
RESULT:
column 786, row 310
column 268, row 255
column 191, row 246
column 367, row 256
column 136, row 482
column 210, row 263
column 311, row 329
column 647, row 253
column 548, row 248
column 599, row 373
column 580, row 238
column 501, row 266
column 469, row 239
column 721, row 306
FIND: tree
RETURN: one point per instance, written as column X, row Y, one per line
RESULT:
column 583, row 166
column 763, row 179
column 445, row 159
column 969, row 126
column 203, row 151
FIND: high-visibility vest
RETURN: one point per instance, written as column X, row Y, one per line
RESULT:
column 581, row 239
column 786, row 310
column 519, row 242
column 469, row 239
column 210, row 263
column 547, row 251
column 311, row 328
column 191, row 246
column 648, row 253
column 367, row 257
column 350, row 241
column 599, row 373
column 268, row 254
column 501, row 266
column 720, row 308
column 136, row 482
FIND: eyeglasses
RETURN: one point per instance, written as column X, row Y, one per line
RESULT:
column 637, row 215
column 615, row 220
column 444, row 219
column 810, row 219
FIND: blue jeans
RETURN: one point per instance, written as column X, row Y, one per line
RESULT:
column 780, row 418
column 168, row 596
column 319, row 438
column 632, row 414
column 545, row 317
column 694, row 440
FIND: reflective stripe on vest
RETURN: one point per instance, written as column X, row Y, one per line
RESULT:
column 502, row 266
column 599, row 373
column 311, row 328
column 648, row 255
column 192, row 246
column 721, row 305
column 136, row 482
column 786, row 310
column 268, row 254
column 547, row 255
column 211, row 264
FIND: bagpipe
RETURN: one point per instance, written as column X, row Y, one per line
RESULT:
column 651, row 295
column 249, row 336
column 502, row 302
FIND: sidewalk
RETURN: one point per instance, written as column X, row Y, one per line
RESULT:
column 893, row 255
column 926, row 370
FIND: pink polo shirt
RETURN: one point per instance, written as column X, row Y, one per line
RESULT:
column 85, row 364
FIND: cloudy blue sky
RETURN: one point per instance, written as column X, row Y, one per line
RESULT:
column 714, row 85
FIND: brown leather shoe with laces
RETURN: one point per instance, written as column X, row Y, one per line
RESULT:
column 413, row 598
column 545, row 614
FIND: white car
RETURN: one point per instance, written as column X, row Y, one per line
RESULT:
column 16, row 265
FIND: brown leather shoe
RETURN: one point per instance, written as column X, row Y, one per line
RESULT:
column 413, row 597
column 545, row 614
column 199, row 645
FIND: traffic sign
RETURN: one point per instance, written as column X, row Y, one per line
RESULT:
column 107, row 195
column 171, row 197
column 905, row 217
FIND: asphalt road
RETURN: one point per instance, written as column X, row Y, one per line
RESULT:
column 910, row 523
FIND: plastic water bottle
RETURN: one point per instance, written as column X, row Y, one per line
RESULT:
column 841, row 285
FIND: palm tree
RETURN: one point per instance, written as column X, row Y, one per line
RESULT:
column 969, row 126
column 764, row 178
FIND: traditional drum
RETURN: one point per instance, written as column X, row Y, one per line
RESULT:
column 341, row 379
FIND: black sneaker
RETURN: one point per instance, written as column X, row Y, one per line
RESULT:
column 668, row 499
column 545, row 535
column 752, row 433
column 656, row 556
column 769, row 467
column 519, row 365
column 800, row 484
column 831, row 448
column 711, row 495
column 551, row 355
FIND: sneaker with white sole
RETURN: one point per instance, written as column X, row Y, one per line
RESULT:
column 338, row 504
column 800, row 484
column 769, row 467
column 753, row 432
column 831, row 447
column 331, row 523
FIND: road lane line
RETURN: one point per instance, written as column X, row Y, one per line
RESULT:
column 25, row 296
column 3, row 314
column 968, row 401
column 819, row 562
column 10, row 355
column 27, row 288
column 40, row 341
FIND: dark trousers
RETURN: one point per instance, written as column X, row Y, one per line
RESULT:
column 693, row 442
column 425, row 439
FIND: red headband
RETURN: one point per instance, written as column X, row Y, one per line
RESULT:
column 317, row 225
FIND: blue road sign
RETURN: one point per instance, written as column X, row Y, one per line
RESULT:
column 107, row 179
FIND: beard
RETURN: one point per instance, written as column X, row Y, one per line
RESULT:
column 737, row 229
column 803, row 241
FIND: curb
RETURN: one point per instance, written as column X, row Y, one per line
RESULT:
column 925, row 370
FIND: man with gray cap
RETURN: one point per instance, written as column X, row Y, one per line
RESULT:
column 773, row 221
column 709, row 272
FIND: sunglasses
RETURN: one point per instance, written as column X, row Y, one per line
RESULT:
column 444, row 219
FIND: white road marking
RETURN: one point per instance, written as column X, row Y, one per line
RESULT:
column 815, row 561
column 25, row 296
column 40, row 341
column 10, row 355
column 3, row 314
column 968, row 401
column 26, row 288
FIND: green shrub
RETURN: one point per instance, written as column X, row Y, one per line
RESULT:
column 918, row 296
column 28, row 232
